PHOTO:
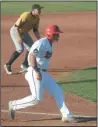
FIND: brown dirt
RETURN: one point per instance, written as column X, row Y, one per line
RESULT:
column 76, row 49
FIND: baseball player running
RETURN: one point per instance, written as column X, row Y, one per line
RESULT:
column 39, row 79
column 20, row 35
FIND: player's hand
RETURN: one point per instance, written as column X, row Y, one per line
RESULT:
column 38, row 76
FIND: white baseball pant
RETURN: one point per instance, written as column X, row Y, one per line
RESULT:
column 37, row 88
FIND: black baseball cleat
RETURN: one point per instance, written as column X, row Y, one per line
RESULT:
column 8, row 69
column 11, row 111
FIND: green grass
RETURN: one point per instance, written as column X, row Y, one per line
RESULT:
column 19, row 7
column 82, row 83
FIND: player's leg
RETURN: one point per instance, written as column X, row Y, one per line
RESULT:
column 55, row 90
column 36, row 88
column 19, row 49
column 27, row 43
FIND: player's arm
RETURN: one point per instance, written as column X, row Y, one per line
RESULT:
column 33, row 64
column 37, row 34
column 36, row 31
column 21, row 20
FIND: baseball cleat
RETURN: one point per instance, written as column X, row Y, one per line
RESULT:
column 8, row 69
column 11, row 111
column 23, row 68
column 69, row 119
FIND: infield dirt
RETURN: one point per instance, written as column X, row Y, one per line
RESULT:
column 76, row 49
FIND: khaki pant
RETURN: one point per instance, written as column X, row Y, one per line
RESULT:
column 26, row 40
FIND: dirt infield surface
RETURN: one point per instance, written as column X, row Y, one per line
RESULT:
column 76, row 50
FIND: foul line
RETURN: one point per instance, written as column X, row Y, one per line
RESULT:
column 33, row 113
column 48, row 114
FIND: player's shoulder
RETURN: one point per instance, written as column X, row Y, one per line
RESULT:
column 25, row 14
column 43, row 41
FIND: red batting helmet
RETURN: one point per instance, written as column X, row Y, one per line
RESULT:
column 51, row 30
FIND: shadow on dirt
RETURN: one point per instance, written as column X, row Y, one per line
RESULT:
column 85, row 119
column 78, row 119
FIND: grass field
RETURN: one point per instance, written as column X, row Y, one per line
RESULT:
column 82, row 83
column 19, row 7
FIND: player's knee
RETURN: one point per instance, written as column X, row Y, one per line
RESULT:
column 39, row 99
column 36, row 101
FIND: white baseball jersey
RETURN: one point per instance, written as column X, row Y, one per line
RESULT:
column 42, row 49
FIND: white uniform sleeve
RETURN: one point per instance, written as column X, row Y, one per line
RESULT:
column 36, row 49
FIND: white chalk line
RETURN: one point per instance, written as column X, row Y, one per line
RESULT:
column 48, row 114
column 33, row 113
